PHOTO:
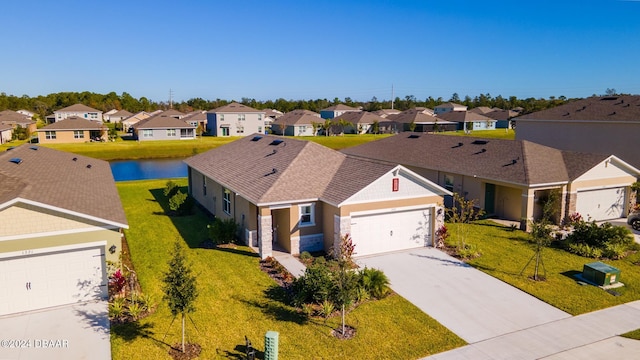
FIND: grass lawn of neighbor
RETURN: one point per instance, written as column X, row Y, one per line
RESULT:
column 505, row 253
column 238, row 299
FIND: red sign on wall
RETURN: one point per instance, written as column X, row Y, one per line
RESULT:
column 395, row 184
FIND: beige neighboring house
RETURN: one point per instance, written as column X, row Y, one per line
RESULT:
column 196, row 118
column 423, row 121
column 386, row 112
column 297, row 123
column 603, row 124
column 106, row 115
column 118, row 116
column 61, row 219
column 300, row 196
column 6, row 133
column 134, row 119
column 235, row 120
column 80, row 111
column 336, row 110
column 16, row 119
column 361, row 122
column 511, row 179
column 447, row 107
column 72, row 130
column 163, row 127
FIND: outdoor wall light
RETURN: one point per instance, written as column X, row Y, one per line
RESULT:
column 112, row 249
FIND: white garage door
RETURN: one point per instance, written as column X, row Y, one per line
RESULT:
column 391, row 231
column 603, row 204
column 40, row 281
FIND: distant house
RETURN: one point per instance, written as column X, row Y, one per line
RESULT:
column 270, row 115
column 196, row 118
column 502, row 117
column 72, row 129
column 106, row 116
column 386, row 112
column 235, row 120
column 61, row 219
column 362, row 122
column 26, row 113
column 482, row 110
column 297, row 196
column 422, row 121
column 512, row 179
column 16, row 119
column 607, row 125
column 468, row 120
column 336, row 110
column 134, row 119
column 171, row 112
column 6, row 133
column 297, row 123
column 78, row 110
column 118, row 116
column 448, row 107
column 163, row 127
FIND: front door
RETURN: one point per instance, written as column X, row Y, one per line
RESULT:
column 225, row 131
column 489, row 198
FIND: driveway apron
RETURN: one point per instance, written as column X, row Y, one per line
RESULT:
column 472, row 304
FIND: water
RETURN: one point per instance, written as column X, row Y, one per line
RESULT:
column 124, row 170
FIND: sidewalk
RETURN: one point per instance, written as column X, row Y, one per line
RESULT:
column 293, row 265
column 587, row 336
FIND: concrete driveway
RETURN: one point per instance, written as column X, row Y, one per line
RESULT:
column 79, row 331
column 467, row 301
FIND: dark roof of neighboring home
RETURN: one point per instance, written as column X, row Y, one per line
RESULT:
column 340, row 107
column 298, row 117
column 414, row 116
column 73, row 123
column 199, row 115
column 501, row 114
column 13, row 117
column 78, row 108
column 173, row 113
column 361, row 117
column 463, row 116
column 235, row 107
column 450, row 105
column 602, row 108
column 121, row 113
column 512, row 161
column 63, row 181
column 387, row 112
column 162, row 121
column 263, row 172
column 483, row 110
column 4, row 127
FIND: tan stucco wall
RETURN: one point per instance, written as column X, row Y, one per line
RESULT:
column 602, row 183
column 63, row 137
column 346, row 210
column 508, row 202
column 22, row 219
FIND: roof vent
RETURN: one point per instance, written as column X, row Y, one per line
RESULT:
column 413, row 136
column 567, row 114
column 480, row 142
column 483, row 150
column 75, row 159
column 13, row 147
column 256, row 138
column 610, row 98
column 276, row 142
column 613, row 113
column 89, row 166
column 457, row 146
column 273, row 171
column 15, row 160
column 33, row 147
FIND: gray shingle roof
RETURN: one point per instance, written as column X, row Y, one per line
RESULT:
column 235, row 107
column 518, row 162
column 162, row 121
column 416, row 116
column 340, row 107
column 84, row 186
column 13, row 117
column 73, row 123
column 78, row 108
column 298, row 117
column 602, row 108
column 462, row 116
column 361, row 117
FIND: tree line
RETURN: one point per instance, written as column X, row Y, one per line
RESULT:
column 44, row 105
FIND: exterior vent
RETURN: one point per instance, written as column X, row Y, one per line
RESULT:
column 413, row 136
column 273, row 171
column 33, row 147
column 276, row 142
column 75, row 159
column 457, row 146
column 480, row 142
column 256, row 138
column 483, row 150
column 11, row 148
column 89, row 166
column 15, row 160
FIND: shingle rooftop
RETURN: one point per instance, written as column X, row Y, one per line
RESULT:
column 13, row 117
column 601, row 108
column 235, row 107
column 78, row 108
column 162, row 121
column 69, row 182
column 298, row 117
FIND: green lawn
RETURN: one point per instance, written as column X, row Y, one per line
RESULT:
column 508, row 134
column 635, row 334
column 344, row 141
column 505, row 253
column 237, row 299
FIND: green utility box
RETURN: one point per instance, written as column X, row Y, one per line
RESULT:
column 600, row 273
column 271, row 345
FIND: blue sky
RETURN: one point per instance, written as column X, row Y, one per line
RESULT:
column 320, row 49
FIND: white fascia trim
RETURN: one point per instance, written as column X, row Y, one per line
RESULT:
column 396, row 209
column 376, row 201
column 46, row 250
column 284, row 204
column 56, row 233
column 602, row 187
column 554, row 184
column 64, row 211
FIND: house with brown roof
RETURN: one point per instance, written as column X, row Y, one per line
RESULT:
column 297, row 123
column 511, row 179
column 61, row 219
column 361, row 122
column 502, row 117
column 196, row 118
column 72, row 129
column 300, row 196
column 163, row 127
column 78, row 110
column 16, row 119
column 117, row 116
column 601, row 124
column 134, row 119
column 386, row 112
column 418, row 120
column 448, row 107
column 235, row 120
column 468, row 121
column 336, row 110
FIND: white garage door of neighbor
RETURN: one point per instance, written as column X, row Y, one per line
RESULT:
column 52, row 279
column 391, row 231
column 604, row 204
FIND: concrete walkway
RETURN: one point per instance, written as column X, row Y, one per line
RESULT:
column 472, row 304
column 588, row 336
column 293, row 265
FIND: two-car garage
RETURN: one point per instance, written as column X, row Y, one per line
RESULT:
column 601, row 204
column 35, row 281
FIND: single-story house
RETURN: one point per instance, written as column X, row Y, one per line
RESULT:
column 6, row 133
column 297, row 123
column 16, row 119
column 163, row 127
column 300, row 196
column 61, row 219
column 196, row 118
column 502, row 117
column 117, row 116
column 134, row 119
column 511, row 179
column 72, row 129
column 336, row 110
column 602, row 124
column 362, row 122
column 422, row 120
column 468, row 121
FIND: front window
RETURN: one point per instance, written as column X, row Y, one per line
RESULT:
column 221, row 117
column 226, row 201
column 78, row 134
column 186, row 133
column 302, row 129
column 448, row 182
column 240, row 117
column 307, row 216
column 240, row 129
column 171, row 132
column 260, row 129
column 50, row 135
column 259, row 117
column 147, row 133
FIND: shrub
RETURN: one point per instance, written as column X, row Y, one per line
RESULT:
column 585, row 250
column 146, row 302
column 375, row 282
column 116, row 308
column 117, row 282
column 468, row 251
column 305, row 256
column 170, row 189
column 223, row 231
column 307, row 310
column 135, row 310
column 327, row 308
column 181, row 203
column 590, row 240
column 614, row 251
column 362, row 294
column 315, row 285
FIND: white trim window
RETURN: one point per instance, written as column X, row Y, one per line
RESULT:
column 147, row 133
column 78, row 134
column 226, row 201
column 241, row 117
column 50, row 135
column 448, row 182
column 307, row 215
column 171, row 132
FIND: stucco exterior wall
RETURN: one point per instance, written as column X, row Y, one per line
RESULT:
column 508, row 203
column 63, row 136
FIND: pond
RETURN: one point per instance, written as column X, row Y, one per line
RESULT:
column 143, row 169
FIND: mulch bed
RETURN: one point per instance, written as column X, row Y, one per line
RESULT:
column 349, row 332
column 277, row 272
column 191, row 351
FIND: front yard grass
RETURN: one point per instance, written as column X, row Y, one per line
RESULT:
column 238, row 299
column 505, row 253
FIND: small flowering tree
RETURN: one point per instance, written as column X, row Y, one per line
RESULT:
column 117, row 282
